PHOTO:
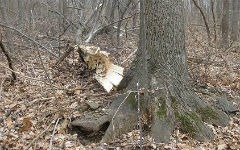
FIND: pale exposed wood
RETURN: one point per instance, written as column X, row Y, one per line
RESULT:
column 106, row 73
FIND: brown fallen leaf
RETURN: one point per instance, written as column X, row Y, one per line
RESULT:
column 9, row 121
column 27, row 124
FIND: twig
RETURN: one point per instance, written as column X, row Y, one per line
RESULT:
column 120, row 20
column 119, row 108
column 39, row 135
column 129, row 56
column 50, row 83
column 139, row 116
column 75, row 8
column 27, row 77
column 54, row 130
column 40, row 99
column 30, row 39
column 3, row 80
column 94, row 32
column 68, row 51
column 61, row 15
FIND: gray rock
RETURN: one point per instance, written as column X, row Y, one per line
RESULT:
column 93, row 105
column 82, row 108
column 226, row 106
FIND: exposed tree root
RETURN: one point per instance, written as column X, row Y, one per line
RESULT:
column 124, row 120
column 168, row 110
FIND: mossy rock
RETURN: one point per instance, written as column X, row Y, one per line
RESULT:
column 162, row 109
column 189, row 123
column 208, row 113
column 93, row 105
column 132, row 100
column 82, row 108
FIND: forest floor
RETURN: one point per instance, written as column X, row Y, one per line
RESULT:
column 29, row 109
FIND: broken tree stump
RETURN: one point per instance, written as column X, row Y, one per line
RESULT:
column 106, row 73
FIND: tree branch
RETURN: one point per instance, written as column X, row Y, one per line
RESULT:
column 28, row 38
column 204, row 18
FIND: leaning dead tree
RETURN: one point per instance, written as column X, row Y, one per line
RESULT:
column 160, row 68
column 204, row 19
column 5, row 52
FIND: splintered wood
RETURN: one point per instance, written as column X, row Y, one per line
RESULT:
column 107, row 74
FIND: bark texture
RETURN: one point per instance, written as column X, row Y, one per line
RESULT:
column 160, row 68
column 225, row 24
column 234, row 34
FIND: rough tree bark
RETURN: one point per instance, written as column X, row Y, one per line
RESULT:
column 5, row 19
column 234, row 20
column 225, row 24
column 160, row 67
column 218, row 10
column 214, row 19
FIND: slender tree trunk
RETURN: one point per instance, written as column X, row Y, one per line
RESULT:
column 135, row 8
column 225, row 24
column 219, row 10
column 234, row 34
column 214, row 19
column 5, row 19
column 20, row 14
column 62, row 8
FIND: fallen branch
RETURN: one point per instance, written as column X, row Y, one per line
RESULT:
column 124, row 100
column 30, row 39
column 8, row 59
column 129, row 56
column 54, row 130
column 139, row 117
column 1, row 87
column 39, row 135
column 27, row 77
column 68, row 51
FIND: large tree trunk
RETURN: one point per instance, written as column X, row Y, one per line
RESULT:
column 160, row 68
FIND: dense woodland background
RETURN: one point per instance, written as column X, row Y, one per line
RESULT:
column 35, row 33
